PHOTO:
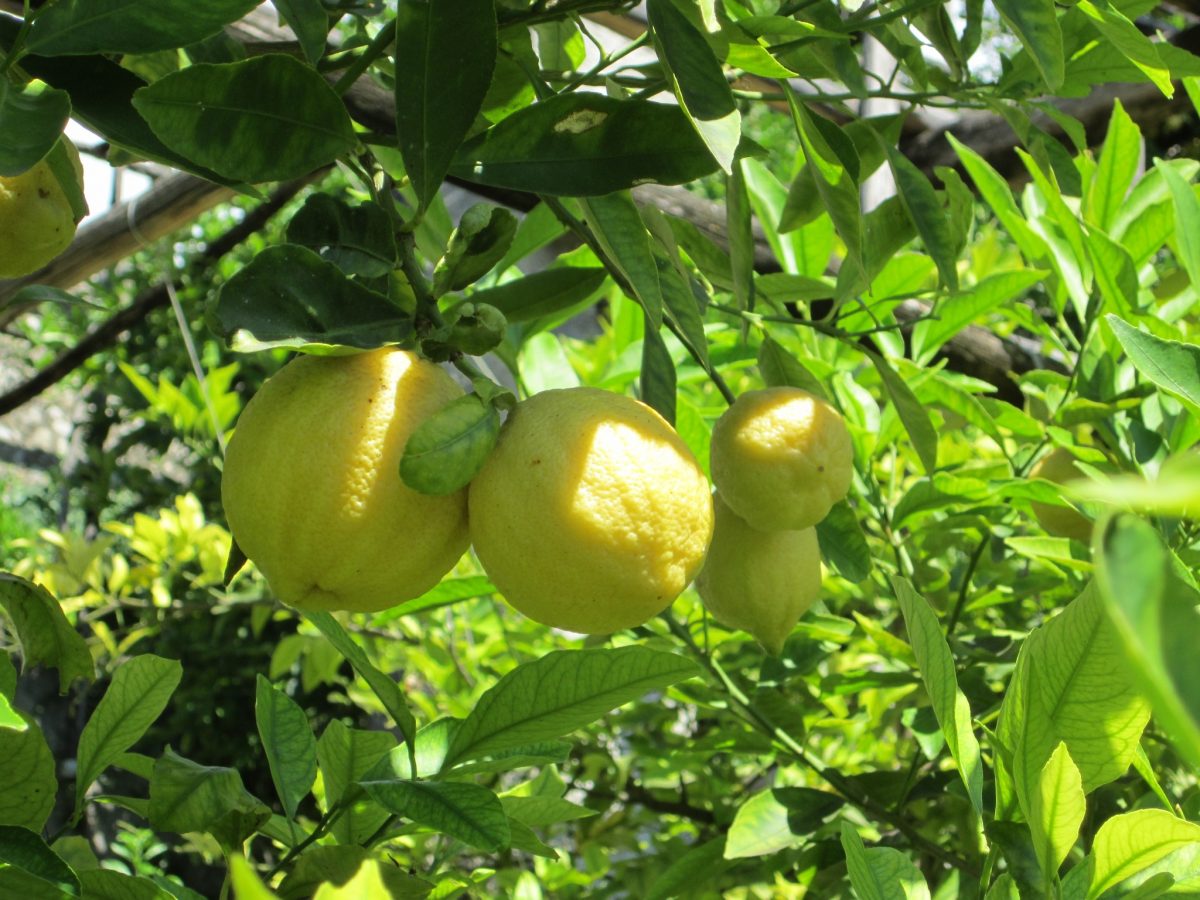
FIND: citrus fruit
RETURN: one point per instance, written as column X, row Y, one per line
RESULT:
column 36, row 219
column 759, row 582
column 590, row 514
column 1058, row 466
column 312, row 489
column 781, row 458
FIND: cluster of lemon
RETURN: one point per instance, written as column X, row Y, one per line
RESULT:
column 590, row 514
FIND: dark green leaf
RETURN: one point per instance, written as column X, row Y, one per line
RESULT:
column 309, row 20
column 267, row 118
column 344, row 755
column 24, row 853
column 444, row 62
column 741, row 238
column 780, row 369
column 288, row 743
column 76, row 27
column 186, row 796
column 542, row 293
column 47, row 638
column 560, row 692
column 31, row 119
column 468, row 812
column 1187, row 219
column 699, row 865
column 617, row 226
column 139, row 692
column 843, row 544
column 290, row 297
column 699, row 83
column 481, row 239
column 450, row 447
column 357, row 239
column 1035, row 22
column 106, row 884
column 807, row 808
column 932, row 223
column 657, row 380
column 586, row 144
column 1173, row 366
column 914, row 416
column 27, row 783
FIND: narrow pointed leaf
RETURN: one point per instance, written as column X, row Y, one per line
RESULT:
column 288, row 742
column 73, row 27
column 1173, row 366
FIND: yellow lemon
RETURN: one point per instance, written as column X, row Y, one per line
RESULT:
column 36, row 219
column 781, row 458
column 590, row 514
column 312, row 489
column 759, row 581
column 1058, row 466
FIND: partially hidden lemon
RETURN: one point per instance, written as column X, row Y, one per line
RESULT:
column 590, row 514
column 781, row 458
column 759, row 582
column 312, row 489
column 37, row 222
column 1058, row 466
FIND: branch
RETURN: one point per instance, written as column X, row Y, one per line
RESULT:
column 107, row 333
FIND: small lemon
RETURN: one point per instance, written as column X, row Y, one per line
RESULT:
column 781, row 458
column 1058, row 466
column 312, row 489
column 590, row 514
column 759, row 581
column 37, row 222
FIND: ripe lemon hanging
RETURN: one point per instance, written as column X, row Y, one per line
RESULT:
column 312, row 489
column 781, row 458
column 37, row 221
column 590, row 514
column 761, row 582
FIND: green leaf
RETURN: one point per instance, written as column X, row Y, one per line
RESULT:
column 384, row 688
column 444, row 63
column 937, row 671
column 449, row 448
column 1003, row 888
column 186, row 796
column 1126, row 37
column 74, row 27
column 1035, row 22
column 337, row 865
column 468, row 812
column 47, row 638
column 106, row 884
column 1173, row 366
column 288, row 743
column 617, row 226
column 345, row 754
column 759, row 828
column 27, row 783
column 843, row 543
column 585, row 144
column 697, row 78
column 1187, row 219
column 482, row 238
column 807, row 808
column 310, row 22
column 881, row 873
column 780, row 369
column 912, row 414
column 10, row 719
column 699, row 865
column 540, row 812
column 1129, row 843
column 1056, row 810
column 739, row 227
column 995, row 190
column 933, row 224
column 543, row 293
column 1153, row 610
column 1114, row 271
column 357, row 239
column 245, row 881
column 268, row 118
column 29, row 868
column 559, row 693
column 447, row 592
column 140, row 689
column 1120, row 161
column 31, row 119
column 287, row 296
column 8, row 677
column 1072, row 684
column 656, row 383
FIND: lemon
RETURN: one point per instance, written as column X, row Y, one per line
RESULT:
column 37, row 222
column 312, row 489
column 781, row 458
column 759, row 582
column 590, row 514
column 1058, row 466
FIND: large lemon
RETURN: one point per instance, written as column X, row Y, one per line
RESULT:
column 781, row 458
column 312, row 489
column 36, row 219
column 1058, row 466
column 760, row 582
column 590, row 514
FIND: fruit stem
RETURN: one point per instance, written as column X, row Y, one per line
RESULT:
column 849, row 791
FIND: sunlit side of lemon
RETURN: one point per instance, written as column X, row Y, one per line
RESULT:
column 37, row 222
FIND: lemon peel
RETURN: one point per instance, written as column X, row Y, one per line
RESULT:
column 781, row 458
column 37, row 222
column 312, row 490
column 590, row 514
